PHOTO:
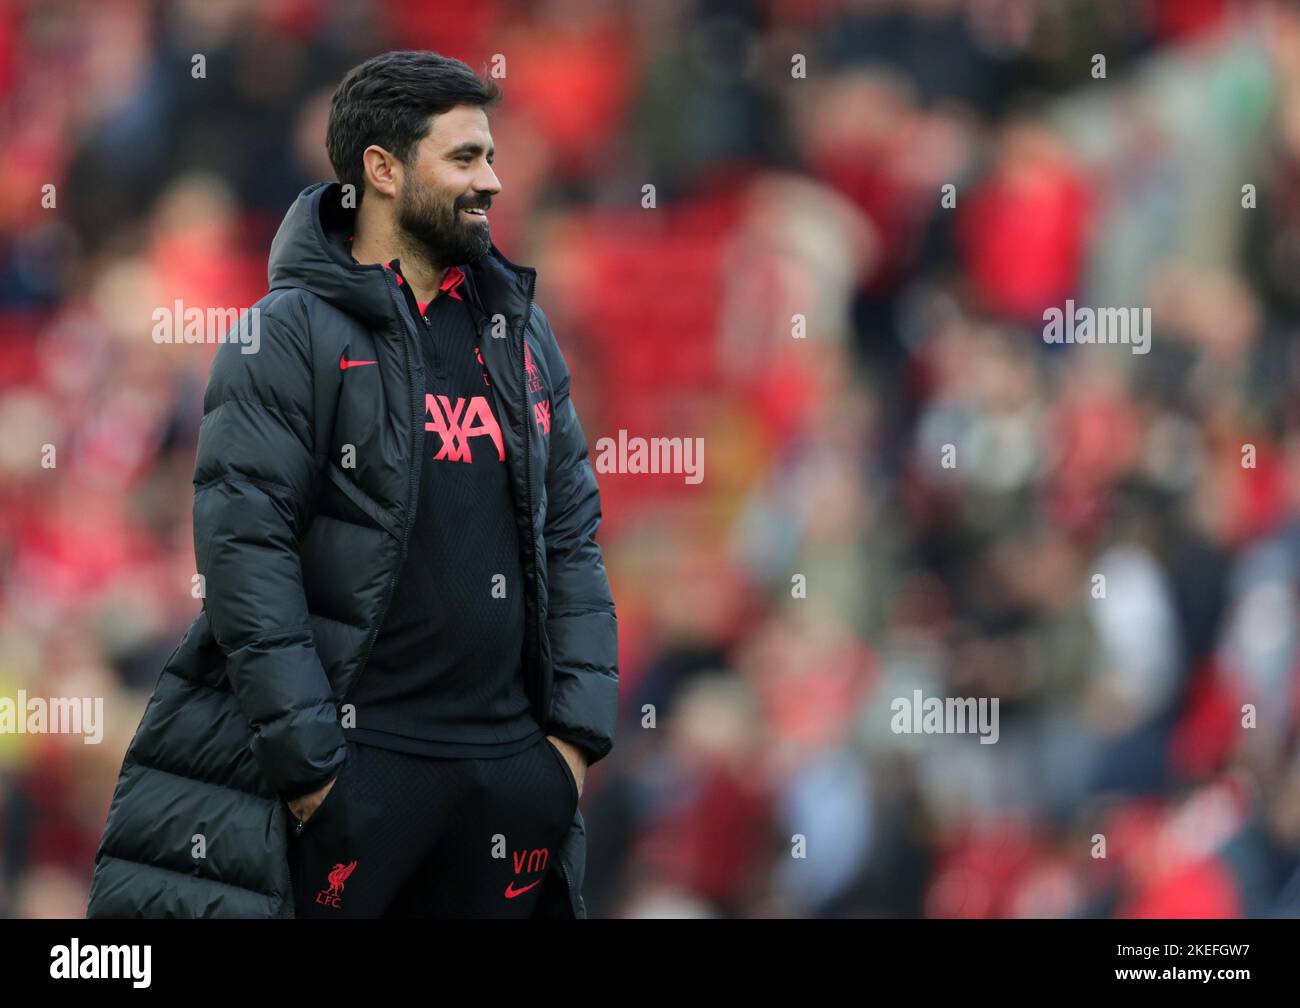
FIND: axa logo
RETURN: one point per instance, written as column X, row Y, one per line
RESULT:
column 456, row 423
column 542, row 414
column 332, row 895
column 527, row 862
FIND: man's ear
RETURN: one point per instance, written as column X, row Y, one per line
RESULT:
column 382, row 171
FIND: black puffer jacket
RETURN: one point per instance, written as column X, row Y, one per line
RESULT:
column 300, row 547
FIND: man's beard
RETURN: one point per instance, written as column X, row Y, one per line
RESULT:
column 439, row 230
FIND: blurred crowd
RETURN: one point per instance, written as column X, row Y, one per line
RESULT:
column 861, row 209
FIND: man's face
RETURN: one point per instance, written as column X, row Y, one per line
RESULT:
column 449, row 178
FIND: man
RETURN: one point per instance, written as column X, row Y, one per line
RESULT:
column 407, row 655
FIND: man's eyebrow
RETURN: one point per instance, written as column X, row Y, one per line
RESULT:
column 470, row 147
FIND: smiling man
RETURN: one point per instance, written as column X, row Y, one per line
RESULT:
column 407, row 655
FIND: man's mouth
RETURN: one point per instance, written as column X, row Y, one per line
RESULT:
column 476, row 212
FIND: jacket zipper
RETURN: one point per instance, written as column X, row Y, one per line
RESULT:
column 417, row 461
column 564, row 872
column 532, row 536
column 528, row 492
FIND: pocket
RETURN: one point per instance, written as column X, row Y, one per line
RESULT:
column 325, row 806
column 564, row 766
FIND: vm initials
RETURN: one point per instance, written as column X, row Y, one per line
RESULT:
column 530, row 860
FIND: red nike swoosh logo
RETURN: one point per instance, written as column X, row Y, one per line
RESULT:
column 512, row 892
column 344, row 363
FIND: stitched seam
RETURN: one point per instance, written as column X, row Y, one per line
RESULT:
column 261, row 405
column 193, row 878
column 261, row 484
column 200, row 780
column 275, row 634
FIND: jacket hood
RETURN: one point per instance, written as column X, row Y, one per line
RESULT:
column 310, row 251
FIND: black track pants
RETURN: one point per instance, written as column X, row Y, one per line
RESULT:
column 401, row 835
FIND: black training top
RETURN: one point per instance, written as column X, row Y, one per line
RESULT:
column 445, row 677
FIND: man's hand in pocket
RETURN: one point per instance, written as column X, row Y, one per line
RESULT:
column 303, row 808
column 574, row 757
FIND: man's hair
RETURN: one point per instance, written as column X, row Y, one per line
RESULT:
column 388, row 100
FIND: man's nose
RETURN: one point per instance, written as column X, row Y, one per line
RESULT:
column 486, row 181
